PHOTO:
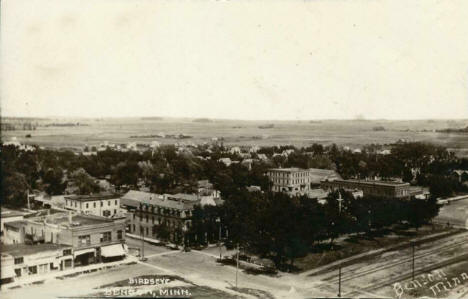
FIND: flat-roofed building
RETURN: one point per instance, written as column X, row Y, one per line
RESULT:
column 297, row 181
column 106, row 205
column 92, row 238
column 8, row 215
column 21, row 260
column 386, row 189
column 14, row 232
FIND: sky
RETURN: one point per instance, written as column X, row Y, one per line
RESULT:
column 322, row 59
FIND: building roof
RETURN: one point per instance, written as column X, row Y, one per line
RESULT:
column 171, row 201
column 77, row 219
column 318, row 175
column 290, row 169
column 94, row 197
column 374, row 182
column 23, row 249
column 7, row 213
column 16, row 224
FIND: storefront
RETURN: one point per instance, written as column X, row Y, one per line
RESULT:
column 112, row 252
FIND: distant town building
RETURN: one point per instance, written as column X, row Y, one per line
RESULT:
column 235, row 150
column 106, row 205
column 297, row 181
column 387, row 189
column 225, row 161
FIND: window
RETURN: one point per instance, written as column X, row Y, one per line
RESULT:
column 106, row 237
column 119, row 235
column 146, row 231
column 19, row 260
column 146, row 217
column 84, row 240
column 43, row 268
column 116, row 202
column 102, row 203
column 75, row 204
column 32, row 270
column 134, row 215
column 94, row 205
column 68, row 263
column 109, row 203
column 115, row 211
column 18, row 272
column 67, row 252
column 87, row 205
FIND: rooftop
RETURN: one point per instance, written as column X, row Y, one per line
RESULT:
column 374, row 182
column 6, row 213
column 290, row 169
column 77, row 220
column 172, row 201
column 93, row 197
column 23, row 249
column 16, row 224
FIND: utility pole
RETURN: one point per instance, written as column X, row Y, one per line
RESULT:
column 142, row 258
column 237, row 265
column 339, row 281
column 218, row 220
column 413, row 245
column 29, row 204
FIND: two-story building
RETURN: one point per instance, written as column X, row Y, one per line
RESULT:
column 296, row 181
column 386, row 189
column 93, row 238
column 106, row 205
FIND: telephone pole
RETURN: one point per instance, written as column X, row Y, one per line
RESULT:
column 413, row 248
column 339, row 281
column 237, row 264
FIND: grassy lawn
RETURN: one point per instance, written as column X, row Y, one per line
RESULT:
column 346, row 247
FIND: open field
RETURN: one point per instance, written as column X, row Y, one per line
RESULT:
column 353, row 133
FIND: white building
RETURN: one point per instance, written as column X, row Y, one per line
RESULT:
column 106, row 205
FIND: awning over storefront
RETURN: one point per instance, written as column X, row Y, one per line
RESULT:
column 83, row 251
column 112, row 250
column 7, row 272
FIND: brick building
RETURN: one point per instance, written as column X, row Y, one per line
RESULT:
column 387, row 189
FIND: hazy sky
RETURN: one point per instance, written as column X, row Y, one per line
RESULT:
column 235, row 59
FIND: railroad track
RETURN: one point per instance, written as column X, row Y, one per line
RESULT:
column 347, row 277
column 407, row 275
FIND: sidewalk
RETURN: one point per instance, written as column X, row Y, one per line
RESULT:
column 78, row 270
column 370, row 253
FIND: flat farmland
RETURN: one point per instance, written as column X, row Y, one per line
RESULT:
column 353, row 133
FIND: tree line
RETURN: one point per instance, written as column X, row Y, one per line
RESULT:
column 283, row 228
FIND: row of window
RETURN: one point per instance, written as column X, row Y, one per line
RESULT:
column 281, row 181
column 163, row 211
column 104, row 237
column 87, row 205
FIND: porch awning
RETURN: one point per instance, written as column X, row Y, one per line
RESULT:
column 83, row 251
column 7, row 272
column 112, row 250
